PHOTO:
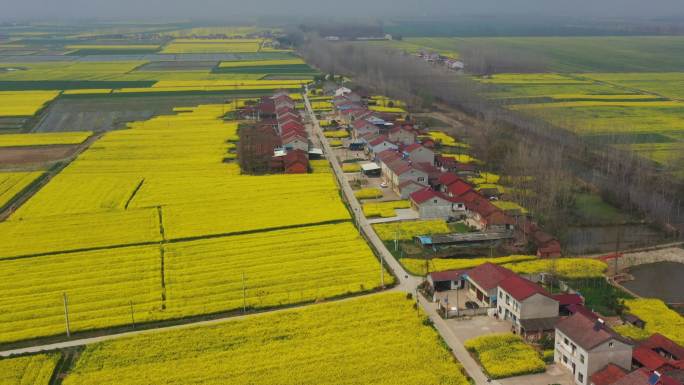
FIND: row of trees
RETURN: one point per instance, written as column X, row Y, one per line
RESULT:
column 514, row 143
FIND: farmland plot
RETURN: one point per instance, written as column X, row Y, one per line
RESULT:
column 12, row 183
column 101, row 287
column 20, row 237
column 280, row 267
column 42, row 139
column 36, row 369
column 373, row 340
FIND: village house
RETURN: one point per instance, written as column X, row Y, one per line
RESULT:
column 432, row 204
column 403, row 134
column 291, row 162
column 380, row 144
column 647, row 377
column 485, row 216
column 445, row 281
column 585, row 345
column 295, row 141
column 658, row 353
column 529, row 308
column 419, row 154
column 400, row 171
column 363, row 127
column 483, row 283
column 445, row 180
column 408, row 187
column 281, row 101
column 459, row 189
column 342, row 91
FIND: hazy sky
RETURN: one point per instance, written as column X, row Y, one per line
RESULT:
column 230, row 9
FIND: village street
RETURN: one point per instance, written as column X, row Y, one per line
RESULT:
column 407, row 282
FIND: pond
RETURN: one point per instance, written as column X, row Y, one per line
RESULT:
column 663, row 280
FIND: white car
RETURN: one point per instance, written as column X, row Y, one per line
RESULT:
column 383, row 185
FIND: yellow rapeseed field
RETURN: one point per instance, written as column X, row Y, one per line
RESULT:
column 505, row 355
column 417, row 266
column 157, row 200
column 384, row 209
column 378, row 339
column 24, row 103
column 659, row 318
column 100, row 286
column 12, row 183
column 34, row 370
column 407, row 230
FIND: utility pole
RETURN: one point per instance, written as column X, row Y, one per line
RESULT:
column 132, row 316
column 244, row 294
column 66, row 313
column 382, row 271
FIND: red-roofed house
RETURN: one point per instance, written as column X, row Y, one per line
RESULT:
column 446, row 179
column 419, row 154
column 403, row 135
column 295, row 141
column 399, row 171
column 380, row 144
column 290, row 125
column 607, row 375
column 585, row 345
column 567, row 300
column 293, row 162
column 408, row 187
column 432, row 204
column 446, row 280
column 665, row 347
column 483, row 282
column 362, row 127
column 459, row 189
column 283, row 101
column 643, row 357
column 529, row 307
column 644, row 376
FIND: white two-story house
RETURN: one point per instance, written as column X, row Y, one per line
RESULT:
column 528, row 307
column 585, row 345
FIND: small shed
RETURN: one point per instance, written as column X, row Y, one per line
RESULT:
column 371, row 169
column 633, row 320
column 447, row 280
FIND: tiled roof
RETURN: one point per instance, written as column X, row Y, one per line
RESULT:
column 521, row 288
column 659, row 341
column 587, row 332
column 608, row 375
column 448, row 178
column 488, row 275
column 426, row 194
column 642, row 377
column 448, row 275
column 648, row 358
column 378, row 140
column 568, row 299
column 583, row 310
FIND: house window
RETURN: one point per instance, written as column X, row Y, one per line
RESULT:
column 421, row 179
column 610, row 344
column 582, row 358
column 565, row 340
column 565, row 359
column 580, row 377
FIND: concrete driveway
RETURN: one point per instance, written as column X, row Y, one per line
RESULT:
column 555, row 374
column 467, row 328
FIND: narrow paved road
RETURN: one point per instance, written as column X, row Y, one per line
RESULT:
column 407, row 282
